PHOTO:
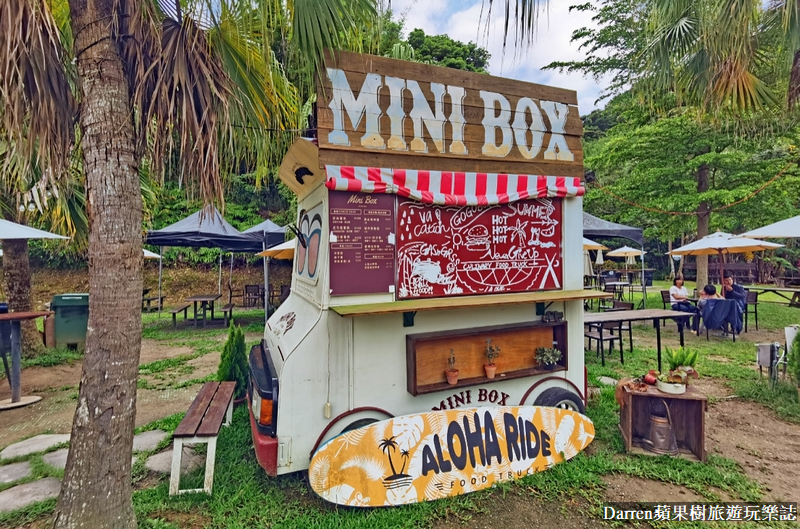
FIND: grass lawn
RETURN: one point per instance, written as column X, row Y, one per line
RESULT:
column 245, row 497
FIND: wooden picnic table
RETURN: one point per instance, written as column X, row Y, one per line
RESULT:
column 206, row 301
column 621, row 316
column 15, row 318
column 794, row 301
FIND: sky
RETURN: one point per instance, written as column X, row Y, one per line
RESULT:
column 460, row 20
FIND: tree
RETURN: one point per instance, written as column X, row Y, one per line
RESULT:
column 145, row 77
column 684, row 165
column 612, row 49
column 441, row 50
column 26, row 194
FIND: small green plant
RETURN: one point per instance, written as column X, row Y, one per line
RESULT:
column 794, row 359
column 547, row 355
column 233, row 361
column 681, row 366
column 451, row 362
column 492, row 352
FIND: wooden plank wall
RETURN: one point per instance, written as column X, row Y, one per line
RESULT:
column 357, row 66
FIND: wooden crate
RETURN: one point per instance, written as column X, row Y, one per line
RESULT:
column 688, row 419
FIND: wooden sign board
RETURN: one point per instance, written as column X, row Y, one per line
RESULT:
column 362, row 253
column 379, row 112
column 446, row 251
column 433, row 455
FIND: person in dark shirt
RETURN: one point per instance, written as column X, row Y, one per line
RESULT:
column 731, row 290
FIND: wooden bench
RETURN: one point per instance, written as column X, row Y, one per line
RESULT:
column 148, row 300
column 202, row 424
column 176, row 311
column 227, row 312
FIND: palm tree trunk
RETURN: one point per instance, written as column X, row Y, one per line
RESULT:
column 794, row 81
column 96, row 490
column 703, row 217
column 17, row 287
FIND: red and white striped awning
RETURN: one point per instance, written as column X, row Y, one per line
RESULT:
column 451, row 188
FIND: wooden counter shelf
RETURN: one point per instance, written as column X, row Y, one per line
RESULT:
column 427, row 354
column 462, row 302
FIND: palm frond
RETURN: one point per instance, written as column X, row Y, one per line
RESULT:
column 332, row 24
column 36, row 105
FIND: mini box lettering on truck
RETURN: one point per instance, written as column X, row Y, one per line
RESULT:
column 439, row 217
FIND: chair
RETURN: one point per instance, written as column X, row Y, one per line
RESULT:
column 285, row 291
column 234, row 293
column 722, row 314
column 625, row 325
column 607, row 303
column 252, row 295
column 751, row 308
column 665, row 301
column 274, row 294
column 593, row 333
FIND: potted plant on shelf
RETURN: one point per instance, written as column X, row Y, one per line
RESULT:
column 451, row 372
column 492, row 352
column 681, row 368
column 548, row 357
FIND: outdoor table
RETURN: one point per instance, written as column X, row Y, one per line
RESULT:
column 16, row 399
column 621, row 316
column 619, row 288
column 794, row 301
column 206, row 301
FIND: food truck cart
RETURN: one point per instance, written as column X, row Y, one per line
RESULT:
column 439, row 217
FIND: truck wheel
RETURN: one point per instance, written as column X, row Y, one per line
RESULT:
column 358, row 424
column 560, row 398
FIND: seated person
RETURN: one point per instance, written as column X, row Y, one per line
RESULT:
column 708, row 292
column 678, row 296
column 730, row 290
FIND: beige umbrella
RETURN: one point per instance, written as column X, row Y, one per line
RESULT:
column 150, row 255
column 627, row 252
column 284, row 250
column 591, row 245
column 785, row 229
column 724, row 243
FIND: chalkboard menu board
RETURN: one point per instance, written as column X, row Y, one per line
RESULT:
column 449, row 251
column 362, row 258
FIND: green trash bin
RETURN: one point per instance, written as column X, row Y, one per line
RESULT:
column 71, row 318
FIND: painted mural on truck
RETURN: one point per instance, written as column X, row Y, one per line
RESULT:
column 446, row 251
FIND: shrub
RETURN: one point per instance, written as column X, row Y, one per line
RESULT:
column 233, row 361
column 794, row 359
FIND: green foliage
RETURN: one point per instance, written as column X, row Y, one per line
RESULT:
column 441, row 50
column 680, row 357
column 233, row 362
column 547, row 355
column 613, row 46
column 794, row 359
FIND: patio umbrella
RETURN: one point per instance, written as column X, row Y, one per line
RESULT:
column 599, row 259
column 284, row 250
column 626, row 251
column 12, row 230
column 785, row 229
column 587, row 264
column 724, row 243
column 591, row 245
column 150, row 255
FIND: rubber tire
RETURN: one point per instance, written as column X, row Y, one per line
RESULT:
column 358, row 424
column 560, row 398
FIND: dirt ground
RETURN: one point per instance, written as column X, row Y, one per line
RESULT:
column 58, row 385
